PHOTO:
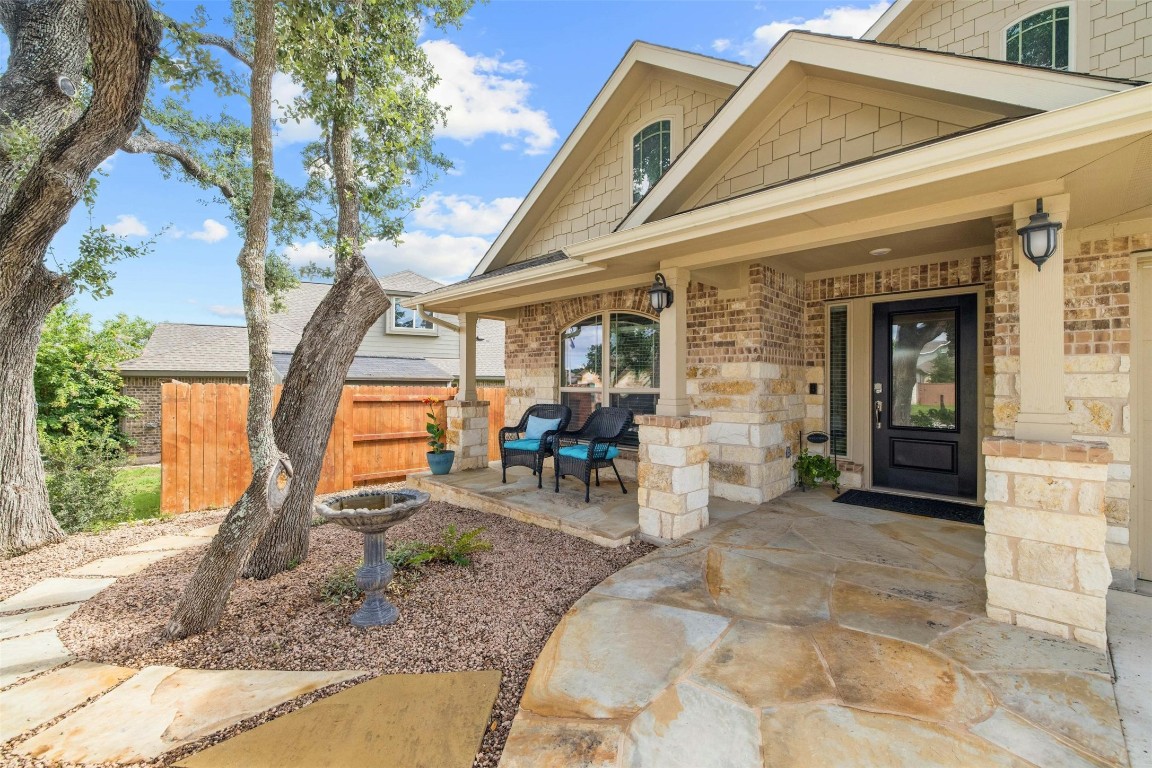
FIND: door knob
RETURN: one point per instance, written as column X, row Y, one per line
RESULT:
column 878, row 408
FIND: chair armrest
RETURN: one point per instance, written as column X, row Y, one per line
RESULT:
column 504, row 431
column 548, row 440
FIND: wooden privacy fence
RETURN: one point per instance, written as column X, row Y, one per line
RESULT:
column 378, row 436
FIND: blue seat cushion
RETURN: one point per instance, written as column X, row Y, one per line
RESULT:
column 581, row 452
column 523, row 444
column 537, row 427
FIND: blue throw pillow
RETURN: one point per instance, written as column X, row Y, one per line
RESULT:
column 537, row 427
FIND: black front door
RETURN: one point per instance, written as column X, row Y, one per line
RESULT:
column 925, row 421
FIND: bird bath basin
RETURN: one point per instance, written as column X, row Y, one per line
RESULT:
column 373, row 513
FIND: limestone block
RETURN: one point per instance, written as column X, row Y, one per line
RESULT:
column 671, row 503
column 1090, row 637
column 690, row 478
column 1119, row 556
column 1117, row 535
column 653, row 435
column 999, row 614
column 654, row 477
column 1118, row 471
column 739, row 493
column 678, row 526
column 1079, row 531
column 1043, row 625
column 1048, row 493
column 1093, row 572
column 1096, row 385
column 697, row 499
column 1052, row 565
column 728, row 434
column 1093, row 363
column 999, row 557
column 683, row 438
column 1056, row 605
column 1045, row 468
column 996, row 486
column 1090, row 499
column 672, row 456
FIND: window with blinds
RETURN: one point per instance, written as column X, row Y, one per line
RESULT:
column 838, row 379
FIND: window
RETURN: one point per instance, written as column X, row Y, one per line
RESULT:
column 651, row 156
column 404, row 320
column 838, row 379
column 628, row 377
column 1041, row 40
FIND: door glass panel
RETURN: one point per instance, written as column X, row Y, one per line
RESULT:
column 922, row 386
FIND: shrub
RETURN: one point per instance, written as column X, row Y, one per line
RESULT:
column 81, row 478
column 341, row 587
column 812, row 469
column 454, row 547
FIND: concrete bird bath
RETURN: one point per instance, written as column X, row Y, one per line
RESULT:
column 373, row 513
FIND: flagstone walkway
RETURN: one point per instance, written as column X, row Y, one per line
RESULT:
column 810, row 633
column 129, row 715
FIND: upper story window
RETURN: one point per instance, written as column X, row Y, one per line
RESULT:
column 1041, row 40
column 404, row 320
column 651, row 156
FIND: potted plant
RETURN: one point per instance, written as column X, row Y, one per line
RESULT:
column 813, row 469
column 439, row 459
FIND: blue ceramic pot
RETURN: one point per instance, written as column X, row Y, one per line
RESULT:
column 441, row 463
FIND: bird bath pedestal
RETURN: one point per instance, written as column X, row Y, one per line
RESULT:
column 373, row 513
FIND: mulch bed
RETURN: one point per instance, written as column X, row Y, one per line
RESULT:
column 495, row 614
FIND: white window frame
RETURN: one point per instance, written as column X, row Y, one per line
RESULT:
column 1078, row 32
column 391, row 327
column 604, row 390
column 674, row 114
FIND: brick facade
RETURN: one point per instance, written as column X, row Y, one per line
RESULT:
column 144, row 427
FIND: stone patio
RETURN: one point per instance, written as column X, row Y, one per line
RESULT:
column 610, row 519
column 810, row 633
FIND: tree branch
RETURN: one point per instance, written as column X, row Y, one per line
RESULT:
column 227, row 44
column 145, row 142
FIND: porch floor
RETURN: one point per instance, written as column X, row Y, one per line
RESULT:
column 809, row 633
column 610, row 519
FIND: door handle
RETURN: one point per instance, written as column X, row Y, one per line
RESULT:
column 878, row 408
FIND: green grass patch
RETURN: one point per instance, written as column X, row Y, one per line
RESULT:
column 141, row 487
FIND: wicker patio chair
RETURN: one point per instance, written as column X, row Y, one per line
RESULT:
column 591, row 447
column 520, row 448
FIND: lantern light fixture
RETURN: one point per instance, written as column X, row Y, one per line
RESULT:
column 659, row 294
column 1038, row 238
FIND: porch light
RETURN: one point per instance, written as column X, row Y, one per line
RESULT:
column 660, row 295
column 1038, row 238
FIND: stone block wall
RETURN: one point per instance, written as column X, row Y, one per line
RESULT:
column 1045, row 536
column 673, row 476
column 1097, row 360
column 467, row 433
column 144, row 427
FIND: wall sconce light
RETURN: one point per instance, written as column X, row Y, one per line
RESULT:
column 660, row 295
column 1038, row 238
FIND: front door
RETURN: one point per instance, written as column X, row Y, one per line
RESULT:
column 925, row 421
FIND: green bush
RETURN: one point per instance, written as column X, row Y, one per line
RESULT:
column 812, row 469
column 341, row 587
column 454, row 547
column 81, row 478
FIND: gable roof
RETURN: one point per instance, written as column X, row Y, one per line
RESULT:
column 980, row 91
column 182, row 347
column 593, row 128
column 408, row 282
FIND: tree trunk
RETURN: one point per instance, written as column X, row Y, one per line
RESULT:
column 26, row 521
column 207, row 594
column 308, row 406
column 122, row 40
column 320, row 364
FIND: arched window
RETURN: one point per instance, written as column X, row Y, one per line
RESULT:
column 627, row 377
column 1042, row 40
column 651, row 156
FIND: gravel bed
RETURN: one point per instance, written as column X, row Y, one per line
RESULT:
column 495, row 614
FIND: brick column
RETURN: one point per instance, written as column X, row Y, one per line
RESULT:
column 468, row 433
column 1044, row 536
column 673, row 475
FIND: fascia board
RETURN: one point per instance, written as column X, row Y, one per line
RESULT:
column 988, row 81
column 525, row 277
column 640, row 53
column 1115, row 116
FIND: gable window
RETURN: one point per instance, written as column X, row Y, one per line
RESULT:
column 1041, row 40
column 404, row 320
column 651, row 156
column 627, row 377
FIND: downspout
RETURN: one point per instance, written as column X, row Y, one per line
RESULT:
column 436, row 320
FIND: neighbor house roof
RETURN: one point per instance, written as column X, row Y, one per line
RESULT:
column 408, row 282
column 184, row 348
column 489, row 352
column 372, row 368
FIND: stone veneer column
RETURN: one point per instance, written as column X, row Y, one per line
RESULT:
column 468, row 433
column 1044, row 536
column 673, row 475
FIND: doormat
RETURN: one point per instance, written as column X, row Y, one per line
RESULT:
column 909, row 505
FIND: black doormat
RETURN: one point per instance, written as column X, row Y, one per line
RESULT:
column 943, row 510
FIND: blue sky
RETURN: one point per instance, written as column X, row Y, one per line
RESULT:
column 518, row 76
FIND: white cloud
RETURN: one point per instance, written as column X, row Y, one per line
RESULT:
column 465, row 214
column 442, row 257
column 845, row 20
column 226, row 310
column 128, row 225
column 485, row 96
column 211, row 231
column 284, row 91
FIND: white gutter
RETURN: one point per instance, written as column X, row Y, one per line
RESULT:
column 436, row 320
